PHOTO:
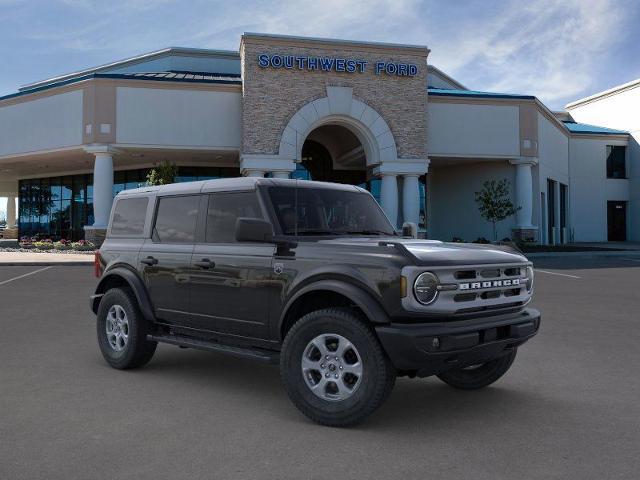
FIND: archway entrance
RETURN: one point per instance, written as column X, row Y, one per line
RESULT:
column 333, row 153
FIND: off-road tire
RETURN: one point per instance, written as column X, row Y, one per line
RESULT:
column 378, row 377
column 138, row 350
column 480, row 377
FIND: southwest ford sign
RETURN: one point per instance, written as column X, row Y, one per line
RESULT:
column 334, row 64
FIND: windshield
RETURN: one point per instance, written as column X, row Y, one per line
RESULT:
column 324, row 211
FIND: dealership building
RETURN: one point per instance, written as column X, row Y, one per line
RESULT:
column 370, row 114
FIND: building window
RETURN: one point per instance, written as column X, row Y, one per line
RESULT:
column 59, row 207
column 564, row 199
column 551, row 209
column 616, row 162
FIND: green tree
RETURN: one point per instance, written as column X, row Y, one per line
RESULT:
column 162, row 174
column 494, row 203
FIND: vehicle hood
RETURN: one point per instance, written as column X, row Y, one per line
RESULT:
column 434, row 252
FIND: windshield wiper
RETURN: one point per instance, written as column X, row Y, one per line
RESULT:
column 343, row 232
column 370, row 232
column 317, row 232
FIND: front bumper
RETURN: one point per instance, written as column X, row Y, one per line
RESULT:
column 431, row 348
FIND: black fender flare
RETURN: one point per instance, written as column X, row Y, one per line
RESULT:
column 360, row 297
column 134, row 282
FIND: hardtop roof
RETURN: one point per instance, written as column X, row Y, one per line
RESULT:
column 230, row 184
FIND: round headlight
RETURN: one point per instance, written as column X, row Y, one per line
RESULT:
column 529, row 279
column 426, row 288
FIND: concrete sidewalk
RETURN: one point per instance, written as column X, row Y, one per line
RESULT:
column 37, row 259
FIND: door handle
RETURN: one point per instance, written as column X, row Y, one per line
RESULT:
column 149, row 261
column 205, row 263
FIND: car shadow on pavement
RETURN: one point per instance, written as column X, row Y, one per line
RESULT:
column 429, row 403
column 426, row 402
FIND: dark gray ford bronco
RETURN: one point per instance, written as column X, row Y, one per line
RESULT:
column 311, row 276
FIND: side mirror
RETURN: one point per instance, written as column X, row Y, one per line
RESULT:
column 409, row 229
column 253, row 230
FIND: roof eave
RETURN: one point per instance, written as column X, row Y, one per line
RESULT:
column 603, row 94
column 130, row 61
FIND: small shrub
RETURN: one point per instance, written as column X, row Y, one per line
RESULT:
column 481, row 240
column 62, row 245
column 83, row 245
column 457, row 240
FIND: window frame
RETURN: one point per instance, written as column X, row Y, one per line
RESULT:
column 197, row 233
column 625, row 159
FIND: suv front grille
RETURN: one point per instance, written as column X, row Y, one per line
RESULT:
column 480, row 288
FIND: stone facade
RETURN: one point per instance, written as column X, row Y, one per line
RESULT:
column 272, row 96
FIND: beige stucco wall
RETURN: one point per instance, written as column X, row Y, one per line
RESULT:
column 473, row 129
column 454, row 211
column 272, row 96
column 590, row 189
column 50, row 122
column 619, row 110
column 178, row 117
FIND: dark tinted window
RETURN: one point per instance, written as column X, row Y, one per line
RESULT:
column 324, row 211
column 129, row 215
column 176, row 219
column 616, row 162
column 224, row 210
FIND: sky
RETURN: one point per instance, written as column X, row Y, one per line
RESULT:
column 557, row 50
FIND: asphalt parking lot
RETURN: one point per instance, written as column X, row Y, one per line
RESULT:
column 569, row 408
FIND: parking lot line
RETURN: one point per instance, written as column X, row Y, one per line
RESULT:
column 632, row 259
column 25, row 275
column 556, row 273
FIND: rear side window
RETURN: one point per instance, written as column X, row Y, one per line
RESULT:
column 224, row 209
column 176, row 219
column 129, row 215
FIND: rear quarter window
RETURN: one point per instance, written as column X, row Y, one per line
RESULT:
column 128, row 216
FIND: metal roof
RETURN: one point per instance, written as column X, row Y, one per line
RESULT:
column 134, row 60
column 188, row 77
column 176, row 75
column 585, row 128
column 444, row 92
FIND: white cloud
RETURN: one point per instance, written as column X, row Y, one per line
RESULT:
column 546, row 48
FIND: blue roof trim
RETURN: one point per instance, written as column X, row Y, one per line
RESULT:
column 225, row 80
column 585, row 128
column 444, row 92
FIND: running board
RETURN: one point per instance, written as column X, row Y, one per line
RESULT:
column 265, row 356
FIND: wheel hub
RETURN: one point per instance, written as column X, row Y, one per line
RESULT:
column 332, row 367
column 117, row 328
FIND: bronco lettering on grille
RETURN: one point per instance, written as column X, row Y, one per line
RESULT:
column 489, row 284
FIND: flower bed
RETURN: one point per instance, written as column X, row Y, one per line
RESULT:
column 39, row 245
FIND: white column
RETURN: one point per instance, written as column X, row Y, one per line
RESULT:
column 102, row 188
column 254, row 173
column 11, row 212
column 280, row 174
column 524, row 194
column 411, row 198
column 389, row 197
